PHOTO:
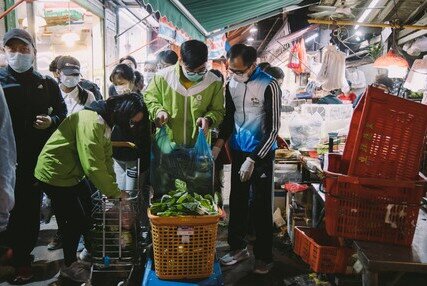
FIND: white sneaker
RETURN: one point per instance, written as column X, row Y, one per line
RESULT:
column 235, row 256
column 76, row 272
column 85, row 256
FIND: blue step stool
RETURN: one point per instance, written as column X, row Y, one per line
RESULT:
column 150, row 278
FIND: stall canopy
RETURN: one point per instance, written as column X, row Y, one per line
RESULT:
column 201, row 18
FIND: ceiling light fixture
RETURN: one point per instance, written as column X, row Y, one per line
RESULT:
column 366, row 13
column 391, row 59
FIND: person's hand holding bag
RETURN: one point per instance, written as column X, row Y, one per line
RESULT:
column 203, row 123
column 247, row 169
column 161, row 118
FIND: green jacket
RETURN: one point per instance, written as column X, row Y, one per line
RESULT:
column 184, row 106
column 80, row 147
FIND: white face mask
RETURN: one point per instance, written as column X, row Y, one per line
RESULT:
column 122, row 89
column 241, row 78
column 20, row 62
column 70, row 81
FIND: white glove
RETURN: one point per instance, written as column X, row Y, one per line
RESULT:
column 247, row 169
column 215, row 152
column 161, row 118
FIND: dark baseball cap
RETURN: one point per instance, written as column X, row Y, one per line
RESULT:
column 68, row 65
column 20, row 35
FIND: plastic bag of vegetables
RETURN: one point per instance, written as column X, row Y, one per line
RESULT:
column 171, row 162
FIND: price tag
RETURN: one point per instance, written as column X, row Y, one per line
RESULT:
column 187, row 231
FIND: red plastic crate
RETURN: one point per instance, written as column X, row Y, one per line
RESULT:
column 370, row 209
column 322, row 252
column 386, row 137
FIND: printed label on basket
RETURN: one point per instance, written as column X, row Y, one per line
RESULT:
column 186, row 231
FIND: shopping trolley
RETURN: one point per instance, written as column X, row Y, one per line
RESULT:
column 115, row 235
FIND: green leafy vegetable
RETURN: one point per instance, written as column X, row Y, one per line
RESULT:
column 180, row 202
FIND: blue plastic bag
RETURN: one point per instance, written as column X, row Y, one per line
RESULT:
column 169, row 162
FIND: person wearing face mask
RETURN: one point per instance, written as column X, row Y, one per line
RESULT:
column 81, row 148
column 36, row 108
column 123, row 80
column 251, row 124
column 186, row 96
column 75, row 97
column 83, row 83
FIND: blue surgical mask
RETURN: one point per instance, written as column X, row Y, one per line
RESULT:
column 193, row 76
column 20, row 62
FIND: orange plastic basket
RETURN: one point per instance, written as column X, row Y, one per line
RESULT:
column 386, row 137
column 184, row 247
column 370, row 209
column 322, row 252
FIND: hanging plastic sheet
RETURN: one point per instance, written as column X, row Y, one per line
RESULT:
column 169, row 162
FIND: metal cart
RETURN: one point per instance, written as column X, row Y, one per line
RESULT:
column 115, row 235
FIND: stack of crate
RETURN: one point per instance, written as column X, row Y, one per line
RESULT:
column 374, row 189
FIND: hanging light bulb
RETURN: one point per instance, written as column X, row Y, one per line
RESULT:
column 70, row 38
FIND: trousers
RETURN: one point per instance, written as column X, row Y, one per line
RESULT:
column 260, row 184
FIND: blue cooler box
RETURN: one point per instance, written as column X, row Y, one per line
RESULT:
column 150, row 278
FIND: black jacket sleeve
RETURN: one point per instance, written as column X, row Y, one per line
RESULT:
column 59, row 111
column 272, row 105
column 226, row 128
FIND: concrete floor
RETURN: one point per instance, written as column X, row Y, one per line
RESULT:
column 287, row 265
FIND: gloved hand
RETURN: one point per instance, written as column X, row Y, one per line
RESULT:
column 215, row 152
column 161, row 118
column 247, row 169
column 204, row 124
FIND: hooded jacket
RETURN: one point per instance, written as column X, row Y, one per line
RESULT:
column 7, row 163
column 80, row 147
column 184, row 106
column 30, row 94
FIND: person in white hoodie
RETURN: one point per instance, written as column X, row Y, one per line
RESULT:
column 7, row 164
column 75, row 97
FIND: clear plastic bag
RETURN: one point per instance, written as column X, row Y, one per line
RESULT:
column 169, row 162
column 305, row 131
